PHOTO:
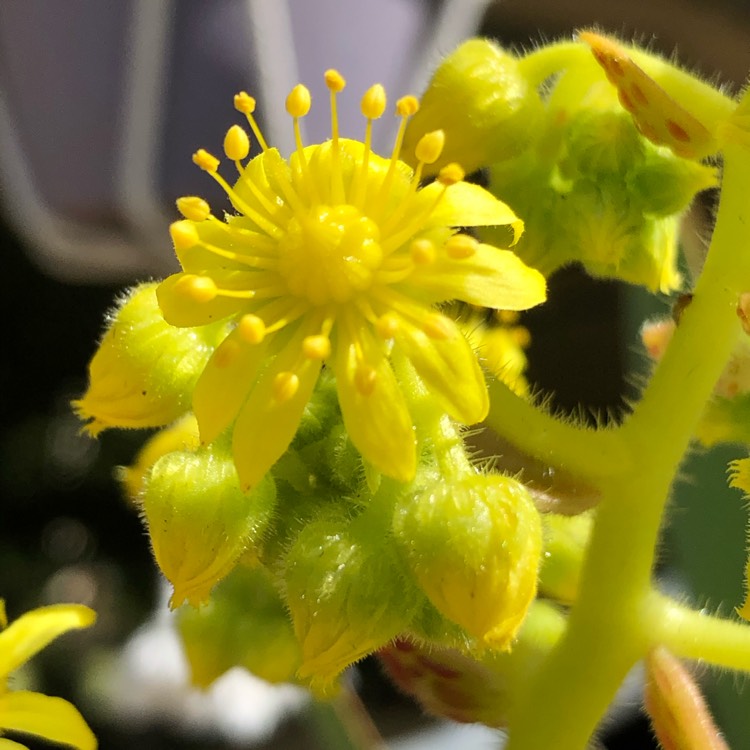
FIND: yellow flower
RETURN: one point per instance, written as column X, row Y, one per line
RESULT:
column 337, row 257
column 33, row 713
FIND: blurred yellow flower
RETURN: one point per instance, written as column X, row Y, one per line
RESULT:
column 337, row 257
column 33, row 713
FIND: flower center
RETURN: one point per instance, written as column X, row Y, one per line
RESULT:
column 330, row 255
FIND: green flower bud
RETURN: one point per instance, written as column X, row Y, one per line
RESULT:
column 181, row 436
column 200, row 521
column 601, row 142
column 565, row 540
column 144, row 371
column 487, row 110
column 244, row 624
column 454, row 685
column 475, row 547
column 348, row 595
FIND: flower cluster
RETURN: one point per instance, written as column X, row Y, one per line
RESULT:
column 309, row 374
column 314, row 363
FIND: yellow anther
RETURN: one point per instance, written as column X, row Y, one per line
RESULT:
column 197, row 288
column 285, row 385
column 508, row 317
column 205, row 161
column 373, row 102
column 450, row 174
column 316, row 347
column 422, row 252
column 334, row 80
column 387, row 326
column 251, row 328
column 407, row 106
column 364, row 379
column 244, row 103
column 521, row 336
column 436, row 326
column 236, row 143
column 461, row 246
column 430, row 146
column 298, row 102
column 184, row 235
column 193, row 207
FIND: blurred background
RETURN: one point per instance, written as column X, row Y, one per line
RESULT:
column 101, row 106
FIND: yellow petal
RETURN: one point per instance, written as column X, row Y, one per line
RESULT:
column 266, row 425
column 224, row 384
column 449, row 369
column 378, row 422
column 467, row 205
column 489, row 278
column 182, row 310
column 52, row 718
column 6, row 744
column 32, row 631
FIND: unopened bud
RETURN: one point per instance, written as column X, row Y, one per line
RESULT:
column 347, row 596
column 474, row 546
column 244, row 624
column 486, row 108
column 200, row 521
column 144, row 371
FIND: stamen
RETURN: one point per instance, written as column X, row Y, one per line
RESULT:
column 200, row 289
column 245, row 103
column 448, row 175
column 422, row 252
column 461, row 246
column 285, row 385
column 255, row 261
column 210, row 164
column 508, row 317
column 372, row 105
column 193, row 207
column 316, row 347
column 436, row 326
column 428, row 150
column 251, row 329
column 336, row 83
column 298, row 104
column 387, row 325
column 365, row 378
column 406, row 107
column 430, row 146
column 206, row 161
column 184, row 235
column 521, row 336
column 236, row 145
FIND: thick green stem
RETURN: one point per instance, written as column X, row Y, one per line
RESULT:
column 545, row 61
column 582, row 451
column 609, row 626
column 695, row 634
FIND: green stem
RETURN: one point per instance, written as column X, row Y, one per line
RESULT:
column 607, row 630
column 545, row 61
column 582, row 451
column 695, row 634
